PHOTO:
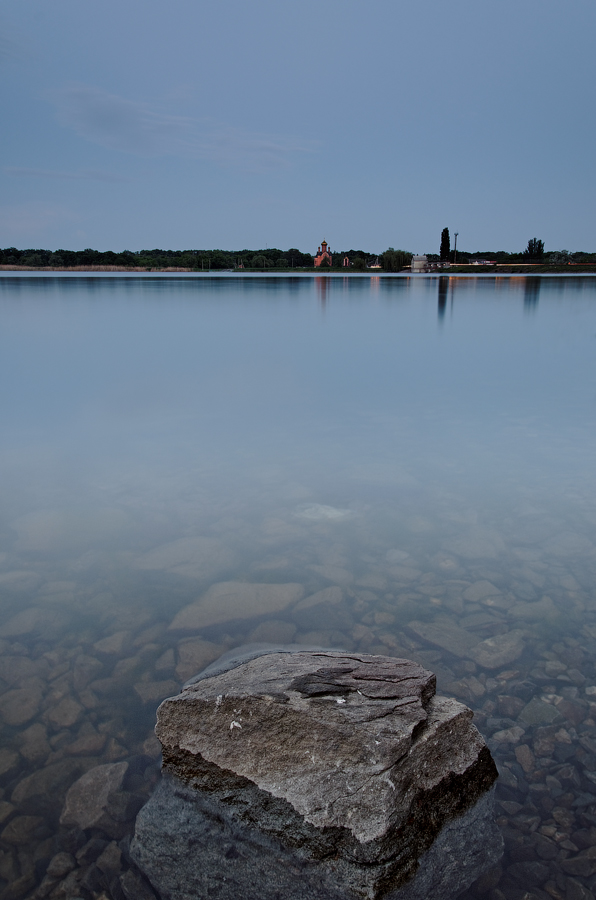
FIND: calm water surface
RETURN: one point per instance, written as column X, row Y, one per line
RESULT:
column 420, row 450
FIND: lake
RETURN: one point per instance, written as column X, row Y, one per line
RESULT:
column 415, row 455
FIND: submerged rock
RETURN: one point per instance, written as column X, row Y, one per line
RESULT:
column 90, row 801
column 498, row 651
column 317, row 512
column 22, row 582
column 537, row 712
column 540, row 610
column 192, row 557
column 19, row 706
column 479, row 591
column 194, row 654
column 15, row 669
column 445, row 635
column 44, row 790
column 331, row 595
column 230, row 600
column 154, row 691
column 8, row 760
column 318, row 775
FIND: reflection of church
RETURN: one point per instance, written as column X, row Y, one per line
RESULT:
column 322, row 254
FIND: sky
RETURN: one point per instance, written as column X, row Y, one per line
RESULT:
column 202, row 124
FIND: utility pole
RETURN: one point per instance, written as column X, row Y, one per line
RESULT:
column 455, row 247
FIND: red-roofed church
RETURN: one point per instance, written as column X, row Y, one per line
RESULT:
column 322, row 254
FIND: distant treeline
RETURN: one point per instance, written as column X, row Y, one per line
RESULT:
column 198, row 260
column 552, row 257
column 205, row 260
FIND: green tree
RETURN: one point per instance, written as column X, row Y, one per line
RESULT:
column 90, row 257
column 296, row 259
column 69, row 257
column 535, row 249
column 445, row 245
column 358, row 263
column 32, row 259
column 126, row 258
column 221, row 260
column 260, row 262
column 395, row 260
column 559, row 258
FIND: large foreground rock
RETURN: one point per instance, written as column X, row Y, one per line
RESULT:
column 318, row 775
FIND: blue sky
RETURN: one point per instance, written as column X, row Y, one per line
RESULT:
column 203, row 124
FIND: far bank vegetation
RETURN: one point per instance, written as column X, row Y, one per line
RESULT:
column 271, row 259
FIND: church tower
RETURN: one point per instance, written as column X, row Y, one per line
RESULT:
column 323, row 253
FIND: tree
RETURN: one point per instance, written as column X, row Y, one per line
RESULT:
column 188, row 261
column 445, row 245
column 221, row 260
column 32, row 259
column 260, row 262
column 559, row 258
column 535, row 249
column 395, row 260
column 297, row 259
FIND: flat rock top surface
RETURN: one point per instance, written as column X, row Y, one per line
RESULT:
column 347, row 739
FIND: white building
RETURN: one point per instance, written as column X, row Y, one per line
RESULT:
column 419, row 264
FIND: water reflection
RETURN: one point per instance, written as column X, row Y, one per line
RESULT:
column 173, row 449
column 531, row 292
column 443, row 289
column 322, row 286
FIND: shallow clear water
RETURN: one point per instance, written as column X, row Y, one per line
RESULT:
column 423, row 445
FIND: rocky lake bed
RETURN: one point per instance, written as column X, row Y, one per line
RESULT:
column 78, row 705
column 400, row 468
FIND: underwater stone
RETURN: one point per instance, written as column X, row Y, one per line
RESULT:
column 230, row 600
column 90, row 801
column 318, row 775
column 500, row 650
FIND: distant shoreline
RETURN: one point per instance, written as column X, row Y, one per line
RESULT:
column 471, row 271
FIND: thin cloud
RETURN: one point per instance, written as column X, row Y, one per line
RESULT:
column 120, row 124
column 81, row 175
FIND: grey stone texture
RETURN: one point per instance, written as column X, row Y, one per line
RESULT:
column 318, row 775
column 94, row 800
